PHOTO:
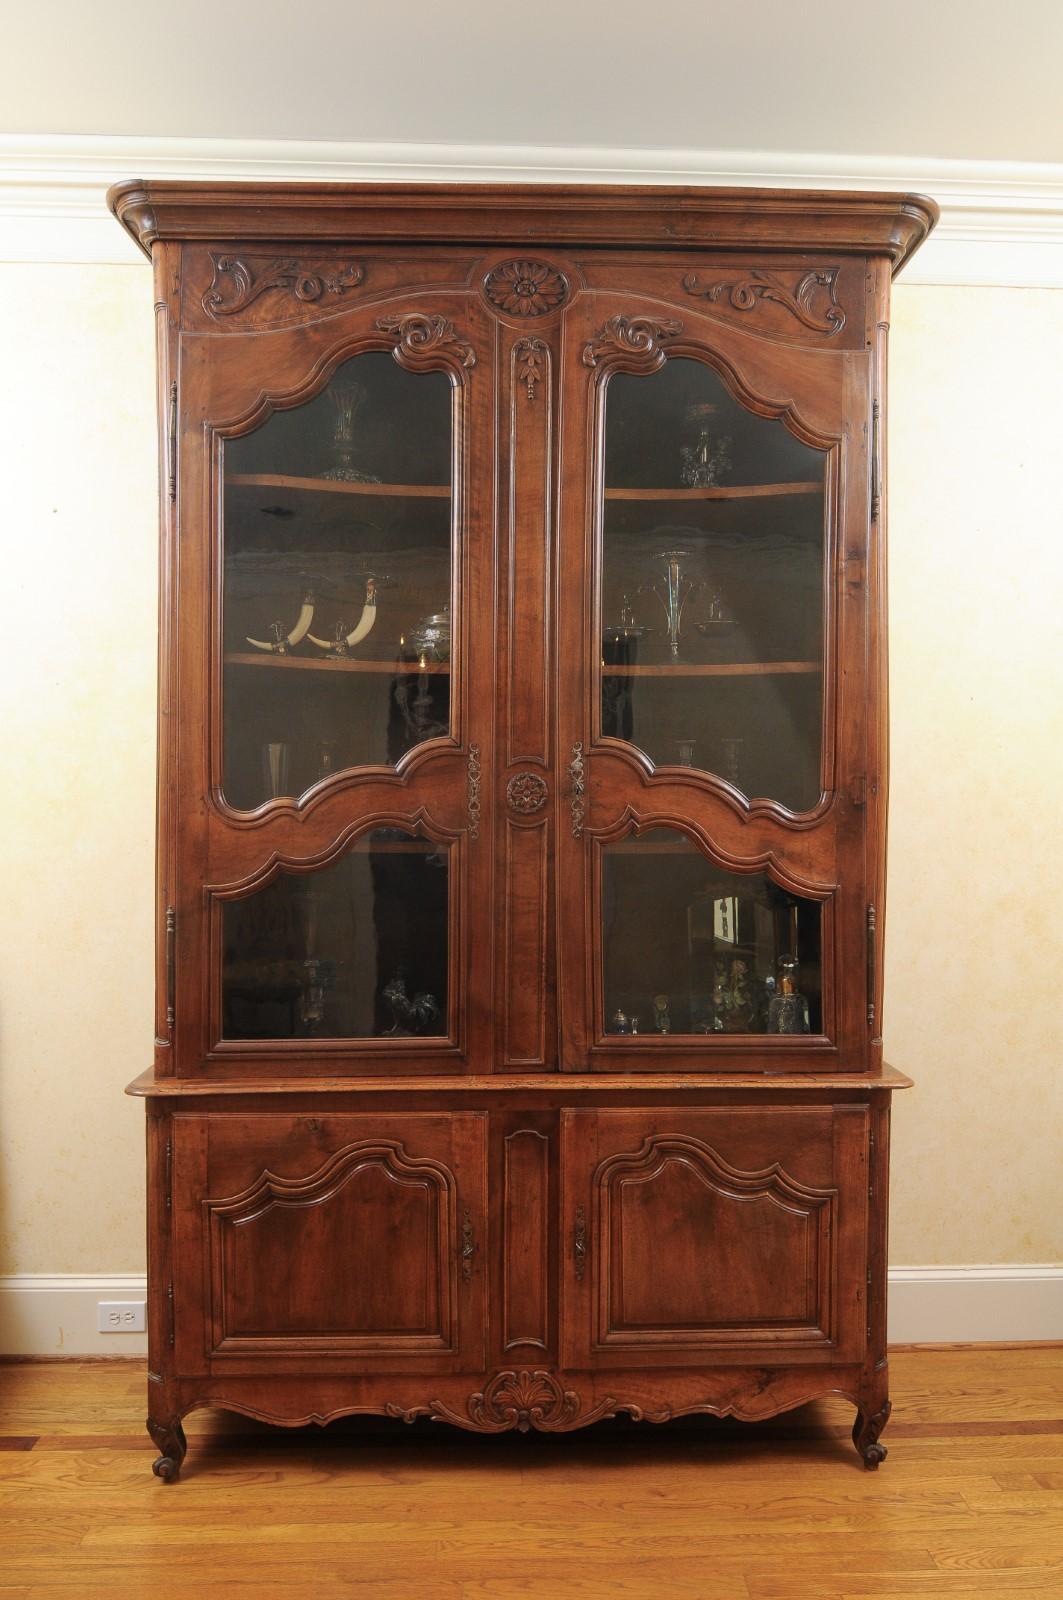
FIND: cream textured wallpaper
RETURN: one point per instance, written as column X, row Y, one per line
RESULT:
column 975, row 918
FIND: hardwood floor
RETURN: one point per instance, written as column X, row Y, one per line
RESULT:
column 969, row 1503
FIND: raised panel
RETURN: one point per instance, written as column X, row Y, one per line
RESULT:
column 359, row 1254
column 526, row 1262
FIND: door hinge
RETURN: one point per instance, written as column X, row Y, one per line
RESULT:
column 876, row 462
column 872, row 965
column 172, row 441
column 171, row 969
column 871, row 1166
column 169, row 1174
column 170, row 1310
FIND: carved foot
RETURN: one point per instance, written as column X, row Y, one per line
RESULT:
column 170, row 1438
column 866, row 1430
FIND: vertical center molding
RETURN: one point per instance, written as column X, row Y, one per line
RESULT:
column 526, row 738
column 526, row 1262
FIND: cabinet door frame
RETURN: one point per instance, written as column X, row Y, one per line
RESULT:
column 297, row 1161
column 441, row 789
column 602, row 1148
column 614, row 790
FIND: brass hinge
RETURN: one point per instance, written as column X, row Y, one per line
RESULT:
column 170, row 1309
column 172, row 436
column 872, row 965
column 169, row 1174
column 171, row 969
column 876, row 464
column 871, row 1166
column 869, row 1305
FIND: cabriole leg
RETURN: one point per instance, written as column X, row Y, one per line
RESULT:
column 170, row 1438
column 866, row 1429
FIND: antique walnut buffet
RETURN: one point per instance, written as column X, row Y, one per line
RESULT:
column 522, row 801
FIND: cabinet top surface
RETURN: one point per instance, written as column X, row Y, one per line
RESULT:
column 851, row 222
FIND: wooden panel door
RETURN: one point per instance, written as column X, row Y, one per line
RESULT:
column 697, row 1236
column 715, row 635
column 332, row 1241
column 334, row 754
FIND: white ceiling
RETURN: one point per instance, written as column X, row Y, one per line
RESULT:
column 974, row 79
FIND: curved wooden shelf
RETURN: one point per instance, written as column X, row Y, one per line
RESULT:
column 714, row 669
column 238, row 658
column 731, row 491
column 276, row 480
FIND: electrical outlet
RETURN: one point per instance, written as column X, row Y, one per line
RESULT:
column 120, row 1316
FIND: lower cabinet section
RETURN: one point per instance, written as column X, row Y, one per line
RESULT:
column 515, row 1266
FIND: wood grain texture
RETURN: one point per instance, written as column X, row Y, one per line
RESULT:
column 969, row 1505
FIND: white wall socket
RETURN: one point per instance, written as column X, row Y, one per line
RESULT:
column 120, row 1316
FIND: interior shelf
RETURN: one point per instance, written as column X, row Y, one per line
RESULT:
column 731, row 491
column 237, row 658
column 273, row 480
column 713, row 669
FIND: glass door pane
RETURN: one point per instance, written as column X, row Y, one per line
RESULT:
column 337, row 581
column 354, row 950
column 690, row 948
column 712, row 590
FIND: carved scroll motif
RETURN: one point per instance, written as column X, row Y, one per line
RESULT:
column 576, row 773
column 641, row 338
column 530, row 356
column 421, row 337
column 748, row 293
column 526, row 288
column 285, row 273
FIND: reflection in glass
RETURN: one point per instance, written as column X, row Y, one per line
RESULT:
column 712, row 584
column 355, row 950
column 337, row 543
column 688, row 947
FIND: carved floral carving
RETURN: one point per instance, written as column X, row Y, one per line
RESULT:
column 523, row 1400
column 526, row 288
column 576, row 801
column 530, row 357
column 237, row 283
column 641, row 338
column 421, row 337
column 526, row 793
column 473, row 794
column 746, row 294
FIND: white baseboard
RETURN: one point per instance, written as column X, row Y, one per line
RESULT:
column 1001, row 221
column 55, row 1314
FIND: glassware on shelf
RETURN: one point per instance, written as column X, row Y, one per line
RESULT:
column 730, row 760
column 327, row 760
column 718, row 620
column 348, row 399
column 686, row 752
column 275, row 765
column 787, row 1008
column 707, row 461
column 623, row 1022
column 673, row 589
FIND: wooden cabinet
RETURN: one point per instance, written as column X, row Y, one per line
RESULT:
column 522, row 802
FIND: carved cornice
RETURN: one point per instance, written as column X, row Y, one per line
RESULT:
column 637, row 341
column 748, row 293
column 422, row 338
column 239, row 281
column 526, row 288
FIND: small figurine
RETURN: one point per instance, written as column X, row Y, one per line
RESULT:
column 662, row 1016
column 419, row 1015
column 620, row 1022
column 788, row 1009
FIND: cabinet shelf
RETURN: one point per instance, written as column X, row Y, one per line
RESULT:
column 274, row 480
column 713, row 669
column 731, row 491
column 238, row 658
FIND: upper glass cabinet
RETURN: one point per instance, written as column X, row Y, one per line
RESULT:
column 712, row 584
column 337, row 581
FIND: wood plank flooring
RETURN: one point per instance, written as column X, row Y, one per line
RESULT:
column 969, row 1503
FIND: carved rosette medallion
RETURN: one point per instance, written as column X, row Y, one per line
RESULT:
column 422, row 337
column 238, row 282
column 812, row 299
column 526, row 793
column 639, row 341
column 526, row 288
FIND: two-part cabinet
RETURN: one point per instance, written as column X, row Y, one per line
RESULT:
column 522, row 780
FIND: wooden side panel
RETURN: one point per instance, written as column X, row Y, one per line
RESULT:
column 527, row 892
column 708, row 1234
column 526, row 1285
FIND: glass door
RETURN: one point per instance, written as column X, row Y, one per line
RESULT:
column 342, row 758
column 710, row 854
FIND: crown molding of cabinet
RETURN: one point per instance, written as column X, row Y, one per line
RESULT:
column 1001, row 222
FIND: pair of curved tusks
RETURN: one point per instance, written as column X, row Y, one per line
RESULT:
column 364, row 625
column 281, row 643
